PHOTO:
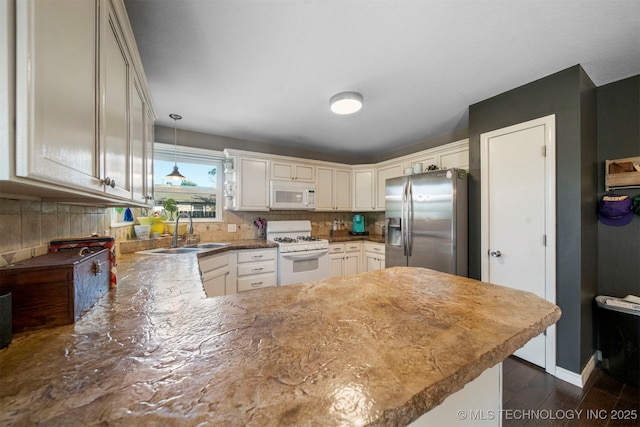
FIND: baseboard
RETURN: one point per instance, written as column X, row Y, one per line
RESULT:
column 577, row 379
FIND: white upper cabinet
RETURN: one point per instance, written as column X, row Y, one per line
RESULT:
column 246, row 183
column 384, row 172
column 56, row 106
column 286, row 171
column 452, row 155
column 82, row 108
column 114, row 91
column 333, row 189
column 363, row 190
column 141, row 146
column 455, row 157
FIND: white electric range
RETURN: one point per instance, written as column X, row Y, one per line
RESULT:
column 301, row 257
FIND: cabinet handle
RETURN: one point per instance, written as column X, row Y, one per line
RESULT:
column 254, row 284
column 256, row 256
column 109, row 182
column 257, row 269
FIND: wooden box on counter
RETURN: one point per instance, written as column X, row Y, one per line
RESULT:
column 55, row 289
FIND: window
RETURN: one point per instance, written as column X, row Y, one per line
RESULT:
column 200, row 192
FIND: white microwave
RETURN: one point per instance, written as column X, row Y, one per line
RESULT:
column 292, row 195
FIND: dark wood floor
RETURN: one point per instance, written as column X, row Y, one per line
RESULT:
column 531, row 397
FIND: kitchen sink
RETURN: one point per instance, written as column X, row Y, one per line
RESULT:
column 210, row 245
column 199, row 247
column 172, row 251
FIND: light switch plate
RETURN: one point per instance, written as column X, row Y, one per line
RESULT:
column 231, row 228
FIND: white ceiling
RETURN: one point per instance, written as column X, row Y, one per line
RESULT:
column 265, row 70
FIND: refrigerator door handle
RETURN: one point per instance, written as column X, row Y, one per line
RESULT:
column 403, row 224
column 408, row 224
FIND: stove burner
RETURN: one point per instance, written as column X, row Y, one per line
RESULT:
column 309, row 238
column 285, row 240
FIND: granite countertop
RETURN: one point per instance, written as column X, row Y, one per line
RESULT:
column 375, row 238
column 239, row 245
column 378, row 348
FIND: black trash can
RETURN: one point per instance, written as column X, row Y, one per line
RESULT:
column 619, row 340
column 5, row 320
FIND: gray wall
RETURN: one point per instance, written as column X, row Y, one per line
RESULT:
column 618, row 137
column 571, row 96
column 215, row 142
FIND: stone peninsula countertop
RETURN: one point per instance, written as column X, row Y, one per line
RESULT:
column 378, row 348
column 375, row 238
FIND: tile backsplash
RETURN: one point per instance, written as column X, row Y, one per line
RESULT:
column 27, row 227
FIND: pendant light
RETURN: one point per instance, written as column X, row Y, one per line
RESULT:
column 175, row 175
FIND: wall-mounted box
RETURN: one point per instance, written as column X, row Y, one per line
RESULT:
column 622, row 173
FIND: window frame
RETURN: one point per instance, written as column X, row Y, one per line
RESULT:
column 182, row 154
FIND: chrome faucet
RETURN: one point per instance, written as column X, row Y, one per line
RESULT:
column 175, row 231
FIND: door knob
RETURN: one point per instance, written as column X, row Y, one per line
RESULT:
column 496, row 254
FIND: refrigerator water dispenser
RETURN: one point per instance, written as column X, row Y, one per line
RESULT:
column 394, row 232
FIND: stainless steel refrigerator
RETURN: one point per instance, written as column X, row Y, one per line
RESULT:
column 426, row 218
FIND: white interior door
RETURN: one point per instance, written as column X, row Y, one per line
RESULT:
column 518, row 218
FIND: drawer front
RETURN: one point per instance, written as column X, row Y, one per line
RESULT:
column 256, row 268
column 353, row 247
column 249, row 283
column 374, row 247
column 336, row 248
column 260, row 255
column 213, row 262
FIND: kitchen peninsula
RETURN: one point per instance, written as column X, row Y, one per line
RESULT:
column 377, row 348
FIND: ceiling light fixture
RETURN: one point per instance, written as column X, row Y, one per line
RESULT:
column 346, row 102
column 175, row 175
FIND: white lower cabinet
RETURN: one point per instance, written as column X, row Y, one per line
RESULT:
column 373, row 256
column 214, row 272
column 344, row 258
column 238, row 271
column 256, row 269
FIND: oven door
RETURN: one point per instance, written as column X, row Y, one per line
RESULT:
column 298, row 267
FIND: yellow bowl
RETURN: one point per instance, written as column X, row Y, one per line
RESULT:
column 182, row 228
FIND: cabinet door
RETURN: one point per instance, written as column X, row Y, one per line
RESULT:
column 371, row 261
column 374, row 256
column 335, row 264
column 336, row 259
column 253, row 184
column 215, row 282
column 114, row 88
column 351, row 263
column 304, row 173
column 363, row 190
column 457, row 158
column 148, row 158
column 292, row 171
column 138, row 142
column 56, row 104
column 382, row 174
column 342, row 190
column 324, row 189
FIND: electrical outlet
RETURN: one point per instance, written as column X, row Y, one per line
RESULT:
column 231, row 228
